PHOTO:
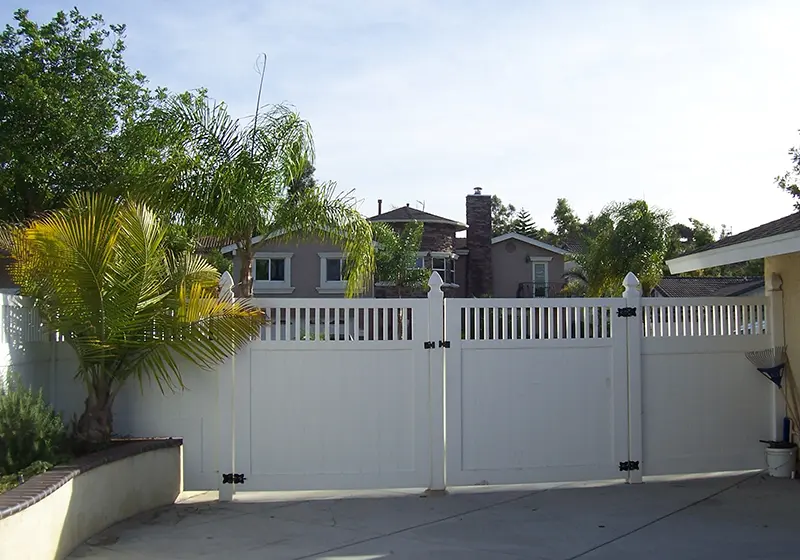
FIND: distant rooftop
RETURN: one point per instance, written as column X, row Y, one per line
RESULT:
column 707, row 286
column 409, row 214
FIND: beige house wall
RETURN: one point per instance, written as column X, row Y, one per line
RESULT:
column 305, row 274
column 788, row 268
column 509, row 260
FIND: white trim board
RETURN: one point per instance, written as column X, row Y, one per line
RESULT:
column 529, row 241
column 739, row 252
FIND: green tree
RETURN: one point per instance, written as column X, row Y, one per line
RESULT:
column 630, row 237
column 568, row 226
column 789, row 180
column 502, row 216
column 524, row 224
column 68, row 109
column 234, row 181
column 685, row 238
column 396, row 258
column 100, row 274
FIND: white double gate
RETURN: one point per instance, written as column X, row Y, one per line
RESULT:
column 425, row 393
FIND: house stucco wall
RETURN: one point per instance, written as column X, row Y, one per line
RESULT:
column 788, row 267
column 305, row 266
column 510, row 266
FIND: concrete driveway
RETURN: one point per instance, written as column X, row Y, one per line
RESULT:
column 732, row 517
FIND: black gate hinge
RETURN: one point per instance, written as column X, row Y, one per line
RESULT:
column 444, row 344
column 233, row 478
column 429, row 344
column 626, row 312
column 629, row 465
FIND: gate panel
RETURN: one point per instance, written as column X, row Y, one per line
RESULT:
column 335, row 396
column 536, row 392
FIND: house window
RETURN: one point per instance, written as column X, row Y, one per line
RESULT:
column 271, row 269
column 332, row 273
column 443, row 263
column 446, row 267
column 272, row 273
column 334, row 270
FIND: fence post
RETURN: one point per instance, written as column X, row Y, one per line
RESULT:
column 774, row 285
column 226, row 373
column 633, row 298
column 436, row 374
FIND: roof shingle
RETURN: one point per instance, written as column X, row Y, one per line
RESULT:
column 787, row 224
column 707, row 286
column 408, row 214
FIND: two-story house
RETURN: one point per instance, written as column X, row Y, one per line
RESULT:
column 475, row 265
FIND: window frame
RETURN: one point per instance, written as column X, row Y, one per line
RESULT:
column 330, row 287
column 273, row 286
column 449, row 258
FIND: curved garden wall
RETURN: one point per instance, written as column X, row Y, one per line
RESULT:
column 51, row 514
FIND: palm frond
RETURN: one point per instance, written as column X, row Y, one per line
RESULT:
column 101, row 275
column 325, row 213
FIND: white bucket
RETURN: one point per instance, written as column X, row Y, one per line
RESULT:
column 781, row 462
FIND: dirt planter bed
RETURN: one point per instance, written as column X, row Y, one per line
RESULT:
column 51, row 514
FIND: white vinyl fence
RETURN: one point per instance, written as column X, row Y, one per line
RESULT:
column 392, row 393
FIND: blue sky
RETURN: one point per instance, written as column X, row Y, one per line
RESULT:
column 691, row 105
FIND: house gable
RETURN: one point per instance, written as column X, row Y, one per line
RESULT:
column 529, row 241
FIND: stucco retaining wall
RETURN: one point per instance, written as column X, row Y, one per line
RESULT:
column 51, row 514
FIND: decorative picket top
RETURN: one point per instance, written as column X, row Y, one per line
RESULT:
column 546, row 319
column 701, row 317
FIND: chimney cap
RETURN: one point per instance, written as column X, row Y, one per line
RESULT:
column 478, row 190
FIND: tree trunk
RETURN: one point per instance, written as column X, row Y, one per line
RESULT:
column 95, row 425
column 244, row 289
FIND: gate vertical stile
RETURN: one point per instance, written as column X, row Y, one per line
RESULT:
column 633, row 336
column 436, row 383
column 226, row 392
column 453, row 311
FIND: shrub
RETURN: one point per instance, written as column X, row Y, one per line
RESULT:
column 30, row 430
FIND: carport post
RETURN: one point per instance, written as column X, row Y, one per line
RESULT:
column 776, row 332
column 226, row 374
column 633, row 299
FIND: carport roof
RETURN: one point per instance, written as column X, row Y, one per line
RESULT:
column 777, row 237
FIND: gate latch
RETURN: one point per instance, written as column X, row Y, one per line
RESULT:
column 233, row 478
column 444, row 344
column 629, row 465
column 626, row 312
column 429, row 344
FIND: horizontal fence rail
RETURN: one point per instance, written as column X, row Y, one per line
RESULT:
column 358, row 320
column 703, row 317
column 508, row 319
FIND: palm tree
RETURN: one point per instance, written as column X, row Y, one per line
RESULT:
column 101, row 276
column 239, row 182
column 396, row 258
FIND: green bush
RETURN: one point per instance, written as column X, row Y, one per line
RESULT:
column 30, row 430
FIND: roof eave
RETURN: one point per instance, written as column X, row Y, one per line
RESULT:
column 457, row 225
column 530, row 241
column 739, row 252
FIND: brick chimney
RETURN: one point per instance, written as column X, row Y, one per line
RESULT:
column 479, row 244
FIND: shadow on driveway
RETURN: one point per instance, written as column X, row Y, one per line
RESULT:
column 732, row 517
